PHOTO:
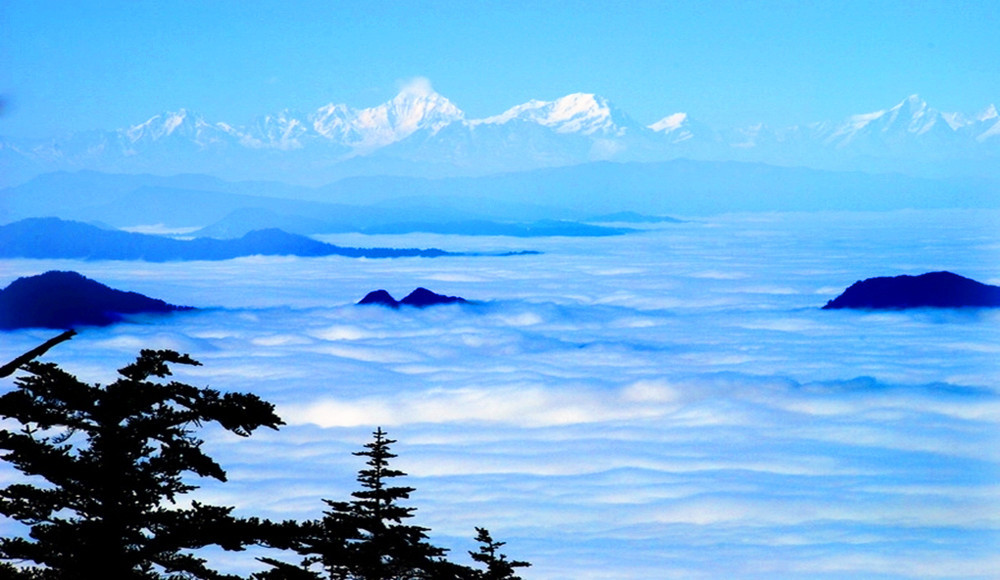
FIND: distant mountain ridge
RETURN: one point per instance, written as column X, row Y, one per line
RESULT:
column 574, row 200
column 51, row 238
column 419, row 132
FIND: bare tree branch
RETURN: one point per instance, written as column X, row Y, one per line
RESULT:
column 9, row 368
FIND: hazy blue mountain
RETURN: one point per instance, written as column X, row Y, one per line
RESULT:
column 51, row 238
column 81, row 192
column 682, row 187
column 231, row 209
column 573, row 193
column 245, row 220
column 543, row 228
column 68, row 300
column 191, row 207
column 633, row 217
column 931, row 290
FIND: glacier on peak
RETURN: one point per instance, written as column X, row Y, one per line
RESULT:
column 180, row 124
column 918, row 116
column 677, row 127
column 993, row 131
column 863, row 119
column 417, row 106
column 669, row 123
column 282, row 131
column 911, row 115
column 583, row 113
column 157, row 126
column 988, row 113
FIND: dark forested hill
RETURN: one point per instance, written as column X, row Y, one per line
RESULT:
column 930, row 290
column 67, row 300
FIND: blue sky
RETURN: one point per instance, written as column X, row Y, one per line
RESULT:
column 102, row 65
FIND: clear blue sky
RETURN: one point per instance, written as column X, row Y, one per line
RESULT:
column 109, row 64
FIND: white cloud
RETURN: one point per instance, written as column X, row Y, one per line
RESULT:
column 670, row 404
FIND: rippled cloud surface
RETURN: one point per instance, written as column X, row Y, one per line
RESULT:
column 670, row 404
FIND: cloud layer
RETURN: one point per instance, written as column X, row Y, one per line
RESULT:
column 670, row 404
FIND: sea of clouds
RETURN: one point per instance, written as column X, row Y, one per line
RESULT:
column 667, row 404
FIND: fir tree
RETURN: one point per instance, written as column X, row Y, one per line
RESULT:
column 498, row 567
column 368, row 538
column 386, row 547
column 105, row 467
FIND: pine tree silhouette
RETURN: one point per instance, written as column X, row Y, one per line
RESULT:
column 368, row 537
column 498, row 567
column 387, row 548
column 113, row 459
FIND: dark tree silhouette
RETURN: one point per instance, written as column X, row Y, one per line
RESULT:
column 105, row 467
column 10, row 368
column 498, row 567
column 368, row 538
column 379, row 545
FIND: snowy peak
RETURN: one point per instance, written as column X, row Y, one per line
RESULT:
column 281, row 131
column 669, row 123
column 988, row 114
column 419, row 106
column 984, row 125
column 992, row 129
column 332, row 121
column 582, row 113
column 157, row 127
column 175, row 125
column 420, row 131
column 416, row 107
column 676, row 127
column 914, row 114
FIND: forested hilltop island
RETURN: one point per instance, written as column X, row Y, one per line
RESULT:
column 419, row 298
column 65, row 300
column 930, row 290
column 115, row 459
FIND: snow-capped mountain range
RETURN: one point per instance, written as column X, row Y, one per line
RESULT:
column 421, row 132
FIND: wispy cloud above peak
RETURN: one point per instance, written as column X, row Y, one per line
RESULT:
column 417, row 87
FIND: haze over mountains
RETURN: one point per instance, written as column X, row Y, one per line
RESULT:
column 421, row 133
column 577, row 200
